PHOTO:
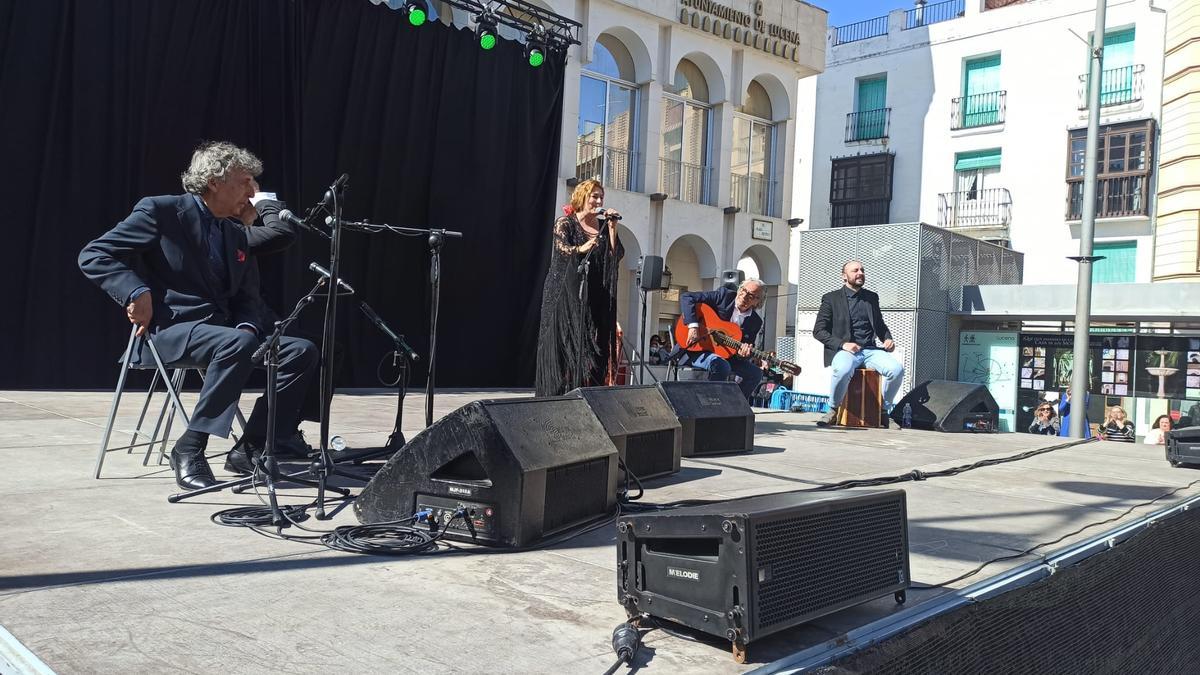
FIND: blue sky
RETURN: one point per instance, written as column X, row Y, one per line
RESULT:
column 842, row 12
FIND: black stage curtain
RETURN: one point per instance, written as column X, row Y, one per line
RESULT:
column 103, row 103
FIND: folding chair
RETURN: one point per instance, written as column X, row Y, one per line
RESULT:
column 173, row 384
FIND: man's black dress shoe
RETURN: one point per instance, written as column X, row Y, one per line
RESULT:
column 241, row 458
column 191, row 468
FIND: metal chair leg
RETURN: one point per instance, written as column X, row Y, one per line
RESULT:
column 162, row 413
column 137, row 430
column 112, row 411
column 176, row 386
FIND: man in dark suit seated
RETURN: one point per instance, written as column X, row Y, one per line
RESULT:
column 851, row 327
column 179, row 264
column 738, row 307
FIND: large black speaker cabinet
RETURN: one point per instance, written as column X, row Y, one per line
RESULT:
column 747, row 568
column 1183, row 446
column 943, row 405
column 650, row 272
column 715, row 416
column 523, row 468
column 641, row 424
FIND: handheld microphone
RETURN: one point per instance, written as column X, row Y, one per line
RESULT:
column 608, row 214
column 401, row 345
column 325, row 273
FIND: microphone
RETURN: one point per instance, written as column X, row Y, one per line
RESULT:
column 325, row 273
column 608, row 214
column 290, row 218
column 401, row 345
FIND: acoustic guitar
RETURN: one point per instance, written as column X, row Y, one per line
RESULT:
column 724, row 338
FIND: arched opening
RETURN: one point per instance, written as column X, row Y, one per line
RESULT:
column 608, row 116
column 685, row 161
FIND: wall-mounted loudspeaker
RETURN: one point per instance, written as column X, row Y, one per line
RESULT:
column 731, row 279
column 650, row 273
column 522, row 468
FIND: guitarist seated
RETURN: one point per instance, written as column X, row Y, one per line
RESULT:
column 734, row 307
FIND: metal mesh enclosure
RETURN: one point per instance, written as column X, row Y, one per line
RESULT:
column 910, row 266
column 785, row 347
column 1132, row 609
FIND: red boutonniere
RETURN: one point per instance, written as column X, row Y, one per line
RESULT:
column 568, row 209
column 241, row 256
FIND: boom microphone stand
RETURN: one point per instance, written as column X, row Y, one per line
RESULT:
column 436, row 237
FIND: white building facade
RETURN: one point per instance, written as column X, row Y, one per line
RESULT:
column 974, row 118
column 685, row 111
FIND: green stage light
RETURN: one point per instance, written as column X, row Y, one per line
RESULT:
column 485, row 31
column 416, row 12
column 535, row 46
column 536, row 57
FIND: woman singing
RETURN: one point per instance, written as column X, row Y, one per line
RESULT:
column 577, row 341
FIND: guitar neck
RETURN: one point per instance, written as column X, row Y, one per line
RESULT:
column 726, row 341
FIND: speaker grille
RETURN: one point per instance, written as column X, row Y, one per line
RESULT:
column 575, row 492
column 819, row 560
column 720, row 434
column 650, row 453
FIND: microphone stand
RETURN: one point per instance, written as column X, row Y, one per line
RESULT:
column 437, row 237
column 266, row 468
column 324, row 466
column 584, row 270
column 402, row 356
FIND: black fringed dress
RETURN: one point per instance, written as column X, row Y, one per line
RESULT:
column 577, row 340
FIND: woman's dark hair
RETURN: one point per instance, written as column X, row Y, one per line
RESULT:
column 1159, row 419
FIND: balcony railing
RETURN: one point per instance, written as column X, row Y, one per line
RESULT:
column 986, row 208
column 754, row 194
column 978, row 110
column 853, row 32
column 866, row 125
column 1118, row 86
column 1117, row 197
column 924, row 14
column 613, row 167
column 686, row 182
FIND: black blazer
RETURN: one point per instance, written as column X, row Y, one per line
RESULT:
column 161, row 245
column 723, row 301
column 832, row 327
column 274, row 235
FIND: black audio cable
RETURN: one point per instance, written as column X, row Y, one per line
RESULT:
column 626, row 640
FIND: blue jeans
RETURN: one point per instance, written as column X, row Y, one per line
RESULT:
column 844, row 364
column 719, row 369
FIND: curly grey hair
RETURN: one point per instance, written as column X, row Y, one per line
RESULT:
column 214, row 160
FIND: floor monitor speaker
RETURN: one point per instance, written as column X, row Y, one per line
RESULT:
column 944, row 405
column 715, row 416
column 641, row 424
column 523, row 468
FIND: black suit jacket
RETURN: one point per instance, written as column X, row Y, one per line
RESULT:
column 161, row 245
column 273, row 235
column 832, row 327
column 723, row 301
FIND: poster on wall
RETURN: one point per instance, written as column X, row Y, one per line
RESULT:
column 1045, row 365
column 1167, row 367
column 990, row 358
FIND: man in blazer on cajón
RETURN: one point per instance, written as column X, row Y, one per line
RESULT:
column 851, row 327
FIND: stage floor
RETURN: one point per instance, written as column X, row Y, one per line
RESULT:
column 106, row 576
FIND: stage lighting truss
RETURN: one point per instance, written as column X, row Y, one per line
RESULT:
column 546, row 33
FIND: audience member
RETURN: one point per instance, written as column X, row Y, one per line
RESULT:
column 1117, row 426
column 1158, row 432
column 1045, row 422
